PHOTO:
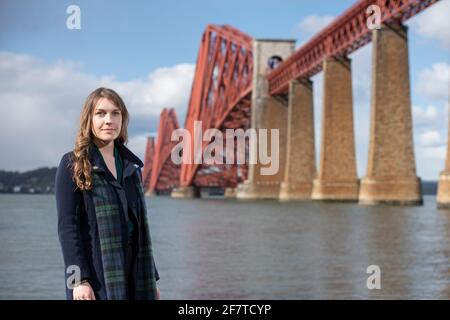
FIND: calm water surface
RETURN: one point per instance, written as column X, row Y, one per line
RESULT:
column 229, row 249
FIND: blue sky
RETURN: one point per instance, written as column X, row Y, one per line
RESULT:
column 146, row 50
column 130, row 38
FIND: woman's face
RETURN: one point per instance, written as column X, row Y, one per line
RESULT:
column 107, row 121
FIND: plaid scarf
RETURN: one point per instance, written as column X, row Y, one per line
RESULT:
column 107, row 210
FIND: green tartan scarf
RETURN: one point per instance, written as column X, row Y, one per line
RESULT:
column 107, row 211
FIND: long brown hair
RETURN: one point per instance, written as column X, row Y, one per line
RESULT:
column 81, row 166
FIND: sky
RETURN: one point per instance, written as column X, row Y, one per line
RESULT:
column 146, row 51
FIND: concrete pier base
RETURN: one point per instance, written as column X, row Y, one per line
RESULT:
column 267, row 113
column 185, row 192
column 346, row 191
column 296, row 191
column 150, row 194
column 391, row 172
column 443, row 194
column 391, row 191
column 258, row 190
column 337, row 179
column 230, row 193
column 300, row 169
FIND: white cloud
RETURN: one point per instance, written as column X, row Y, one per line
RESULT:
column 434, row 153
column 138, row 143
column 430, row 132
column 311, row 25
column 426, row 115
column 164, row 87
column 435, row 23
column 40, row 105
column 434, row 82
column 430, row 138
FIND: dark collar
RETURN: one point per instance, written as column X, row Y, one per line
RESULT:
column 130, row 161
column 128, row 155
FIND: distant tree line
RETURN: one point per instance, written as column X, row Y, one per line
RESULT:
column 41, row 180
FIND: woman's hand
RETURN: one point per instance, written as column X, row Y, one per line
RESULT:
column 83, row 292
column 158, row 295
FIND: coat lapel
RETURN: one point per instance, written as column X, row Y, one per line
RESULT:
column 130, row 163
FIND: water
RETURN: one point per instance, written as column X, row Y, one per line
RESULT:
column 227, row 249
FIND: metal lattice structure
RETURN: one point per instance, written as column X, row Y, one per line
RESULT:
column 220, row 96
column 344, row 35
column 148, row 162
column 164, row 173
column 222, row 85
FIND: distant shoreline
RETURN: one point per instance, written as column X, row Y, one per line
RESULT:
column 42, row 181
column 429, row 188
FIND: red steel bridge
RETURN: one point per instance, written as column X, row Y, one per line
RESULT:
column 223, row 82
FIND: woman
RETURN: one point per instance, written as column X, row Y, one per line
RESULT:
column 102, row 219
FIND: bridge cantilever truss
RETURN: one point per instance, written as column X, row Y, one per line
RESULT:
column 222, row 85
column 344, row 35
column 164, row 172
column 220, row 98
column 148, row 162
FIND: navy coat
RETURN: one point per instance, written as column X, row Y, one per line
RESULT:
column 77, row 224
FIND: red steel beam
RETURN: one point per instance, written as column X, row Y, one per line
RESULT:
column 164, row 173
column 345, row 34
column 148, row 162
column 223, row 78
column 221, row 90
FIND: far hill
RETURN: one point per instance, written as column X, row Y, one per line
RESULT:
column 41, row 180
